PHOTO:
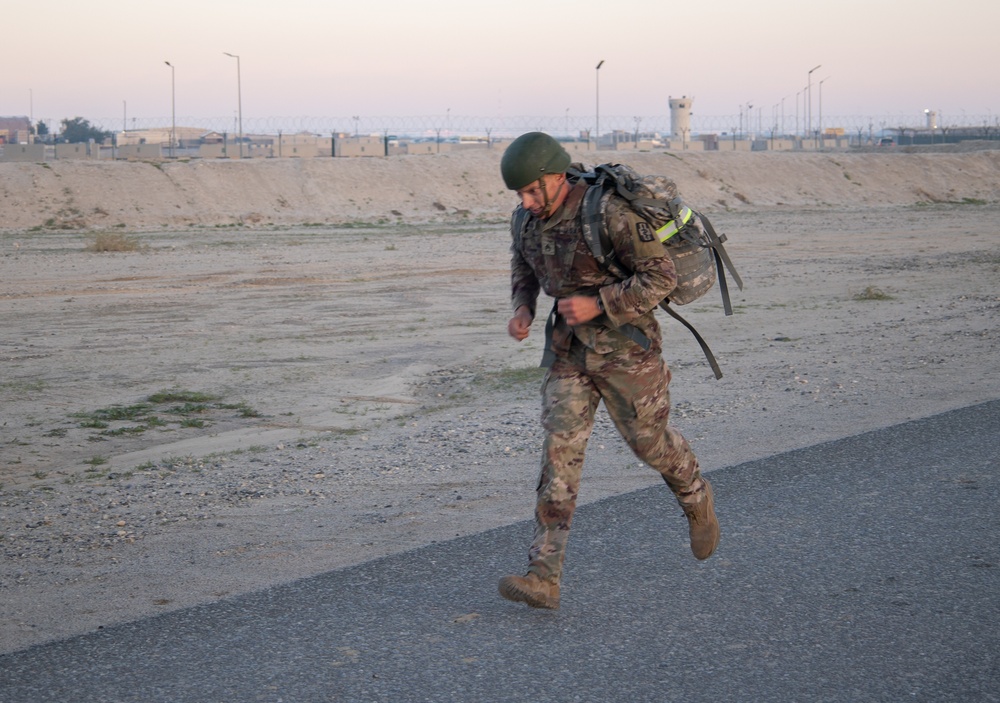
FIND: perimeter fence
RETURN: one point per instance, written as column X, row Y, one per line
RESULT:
column 447, row 125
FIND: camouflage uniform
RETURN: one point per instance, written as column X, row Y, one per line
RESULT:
column 594, row 362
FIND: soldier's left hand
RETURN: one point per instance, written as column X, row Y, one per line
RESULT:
column 579, row 309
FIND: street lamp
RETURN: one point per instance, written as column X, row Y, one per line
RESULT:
column 597, row 77
column 797, row 94
column 809, row 123
column 239, row 97
column 173, row 110
column 821, row 103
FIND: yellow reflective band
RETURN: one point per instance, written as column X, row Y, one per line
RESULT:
column 670, row 229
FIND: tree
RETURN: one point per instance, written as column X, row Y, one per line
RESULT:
column 80, row 130
column 41, row 129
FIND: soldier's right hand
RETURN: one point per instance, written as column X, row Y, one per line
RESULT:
column 520, row 325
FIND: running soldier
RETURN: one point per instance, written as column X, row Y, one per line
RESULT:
column 589, row 360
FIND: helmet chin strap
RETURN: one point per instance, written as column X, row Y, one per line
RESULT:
column 546, row 212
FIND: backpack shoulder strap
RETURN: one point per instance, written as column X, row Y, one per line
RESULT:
column 518, row 222
column 595, row 233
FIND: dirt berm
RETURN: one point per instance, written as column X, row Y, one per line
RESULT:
column 136, row 196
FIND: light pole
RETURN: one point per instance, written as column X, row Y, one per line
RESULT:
column 239, row 97
column 820, row 130
column 797, row 94
column 809, row 119
column 597, row 84
column 173, row 110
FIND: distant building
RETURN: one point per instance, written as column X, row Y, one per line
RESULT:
column 15, row 130
column 161, row 135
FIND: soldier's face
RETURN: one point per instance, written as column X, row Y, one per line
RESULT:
column 544, row 196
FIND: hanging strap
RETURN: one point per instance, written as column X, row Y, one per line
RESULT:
column 549, row 356
column 633, row 333
column 721, row 259
column 701, row 342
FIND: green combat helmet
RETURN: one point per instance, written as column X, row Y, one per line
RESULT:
column 531, row 156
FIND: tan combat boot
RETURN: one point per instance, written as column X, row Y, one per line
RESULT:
column 702, row 523
column 531, row 589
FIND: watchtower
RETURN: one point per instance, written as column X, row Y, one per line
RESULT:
column 680, row 118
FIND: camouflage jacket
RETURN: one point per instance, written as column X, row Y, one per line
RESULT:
column 552, row 256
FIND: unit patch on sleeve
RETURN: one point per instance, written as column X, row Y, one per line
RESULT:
column 645, row 231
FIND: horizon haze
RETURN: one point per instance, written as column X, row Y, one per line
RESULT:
column 106, row 60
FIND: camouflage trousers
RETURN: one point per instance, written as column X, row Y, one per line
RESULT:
column 634, row 385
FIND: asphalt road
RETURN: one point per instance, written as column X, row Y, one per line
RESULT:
column 865, row 569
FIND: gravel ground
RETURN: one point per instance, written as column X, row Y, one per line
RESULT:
column 394, row 412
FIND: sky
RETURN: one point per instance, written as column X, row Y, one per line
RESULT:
column 456, row 59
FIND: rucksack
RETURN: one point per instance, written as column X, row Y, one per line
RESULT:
column 689, row 238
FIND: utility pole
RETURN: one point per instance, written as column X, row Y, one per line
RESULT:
column 809, row 123
column 597, row 136
column 173, row 110
column 239, row 97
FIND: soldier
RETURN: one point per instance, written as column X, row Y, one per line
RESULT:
column 589, row 360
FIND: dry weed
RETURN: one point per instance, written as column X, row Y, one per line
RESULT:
column 113, row 242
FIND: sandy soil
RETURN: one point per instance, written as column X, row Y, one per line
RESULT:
column 360, row 394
